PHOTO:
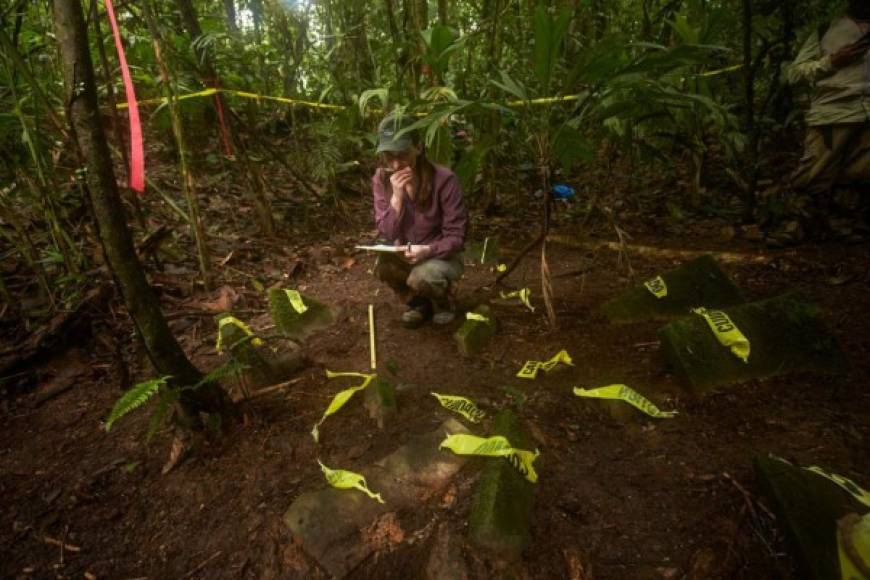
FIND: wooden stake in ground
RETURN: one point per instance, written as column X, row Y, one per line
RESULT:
column 372, row 337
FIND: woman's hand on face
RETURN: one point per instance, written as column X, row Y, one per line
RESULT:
column 403, row 179
column 418, row 253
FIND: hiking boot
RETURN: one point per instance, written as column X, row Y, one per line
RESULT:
column 419, row 311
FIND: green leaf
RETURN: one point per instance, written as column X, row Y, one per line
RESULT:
column 382, row 94
column 570, row 145
column 509, row 85
column 134, row 398
column 548, row 42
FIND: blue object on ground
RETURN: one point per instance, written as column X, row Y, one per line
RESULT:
column 562, row 191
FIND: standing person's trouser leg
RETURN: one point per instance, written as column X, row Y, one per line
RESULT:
column 833, row 154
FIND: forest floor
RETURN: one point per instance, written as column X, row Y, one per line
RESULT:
column 617, row 497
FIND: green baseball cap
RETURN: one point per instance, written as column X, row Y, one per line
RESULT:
column 387, row 130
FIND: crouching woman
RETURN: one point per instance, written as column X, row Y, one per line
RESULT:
column 418, row 206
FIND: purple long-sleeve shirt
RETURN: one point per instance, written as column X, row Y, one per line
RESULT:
column 441, row 226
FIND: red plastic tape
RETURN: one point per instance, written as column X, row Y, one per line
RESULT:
column 137, row 153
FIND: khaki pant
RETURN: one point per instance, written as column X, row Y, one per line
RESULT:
column 833, row 155
column 430, row 279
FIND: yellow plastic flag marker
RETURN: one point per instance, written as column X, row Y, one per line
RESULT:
column 726, row 332
column 627, row 394
column 461, row 405
column 477, row 317
column 850, row 486
column 531, row 368
column 523, row 295
column 657, row 287
column 296, row 301
column 237, row 323
column 496, row 446
column 341, row 398
column 341, row 479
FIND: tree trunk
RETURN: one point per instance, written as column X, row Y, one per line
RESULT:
column 81, row 105
column 442, row 13
column 230, row 9
column 749, row 112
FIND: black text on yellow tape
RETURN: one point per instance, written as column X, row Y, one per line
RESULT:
column 461, row 405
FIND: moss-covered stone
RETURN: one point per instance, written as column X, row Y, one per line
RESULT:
column 473, row 336
column 240, row 347
column 697, row 283
column 807, row 507
column 294, row 325
column 501, row 512
column 785, row 335
column 262, row 367
column 380, row 401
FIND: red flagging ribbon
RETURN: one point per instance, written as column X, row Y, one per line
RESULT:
column 225, row 133
column 137, row 153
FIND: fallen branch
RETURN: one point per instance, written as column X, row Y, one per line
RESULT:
column 654, row 252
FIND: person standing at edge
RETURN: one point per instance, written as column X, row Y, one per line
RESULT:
column 834, row 61
column 417, row 204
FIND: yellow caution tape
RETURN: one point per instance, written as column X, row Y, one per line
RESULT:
column 237, row 323
column 523, row 295
column 855, row 561
column 850, row 486
column 711, row 73
column 246, row 95
column 341, row 398
column 461, row 405
column 314, row 104
column 543, row 101
column 296, row 302
column 496, row 446
column 726, row 332
column 531, row 368
column 657, row 287
column 501, row 268
column 627, row 394
column 477, row 317
column 342, row 479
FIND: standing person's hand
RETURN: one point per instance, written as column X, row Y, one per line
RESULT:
column 850, row 53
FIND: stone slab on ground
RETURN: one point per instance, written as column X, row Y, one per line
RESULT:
column 785, row 334
column 298, row 326
column 807, row 507
column 473, row 336
column 333, row 526
column 697, row 283
column 501, row 512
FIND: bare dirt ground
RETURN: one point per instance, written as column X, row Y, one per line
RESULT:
column 618, row 496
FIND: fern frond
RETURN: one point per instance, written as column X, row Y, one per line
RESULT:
column 134, row 398
column 229, row 368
